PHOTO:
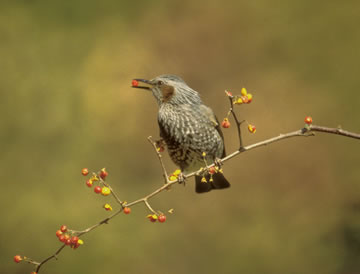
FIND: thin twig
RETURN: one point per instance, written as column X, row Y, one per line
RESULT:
column 238, row 124
column 337, row 131
column 160, row 159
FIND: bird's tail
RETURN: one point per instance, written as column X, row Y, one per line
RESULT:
column 218, row 182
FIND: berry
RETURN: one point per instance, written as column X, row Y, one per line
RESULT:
column 152, row 217
column 245, row 99
column 160, row 148
column 162, row 218
column 58, row 233
column 134, row 83
column 17, row 259
column 225, row 123
column 308, row 120
column 105, row 191
column 243, row 92
column 251, row 128
column 249, row 96
column 127, row 210
column 238, row 101
column 63, row 228
column 74, row 240
column 107, row 207
column 97, row 189
column 212, row 170
column 89, row 183
column 85, row 171
column 103, row 174
column 33, row 272
column 68, row 242
column 62, row 238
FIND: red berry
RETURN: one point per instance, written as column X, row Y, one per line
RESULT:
column 68, row 242
column 97, row 189
column 62, row 238
column 89, row 183
column 103, row 173
column 134, row 83
column 152, row 220
column 85, row 171
column 58, row 233
column 63, row 228
column 308, row 120
column 127, row 210
column 17, row 259
column 212, row 170
column 245, row 99
column 76, row 245
column 225, row 123
column 162, row 218
column 74, row 240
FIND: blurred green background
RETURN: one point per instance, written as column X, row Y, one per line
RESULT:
column 66, row 69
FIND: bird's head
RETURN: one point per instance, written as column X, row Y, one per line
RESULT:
column 169, row 89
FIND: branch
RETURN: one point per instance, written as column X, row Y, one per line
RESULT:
column 175, row 178
column 337, row 131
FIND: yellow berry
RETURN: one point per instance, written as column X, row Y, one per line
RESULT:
column 238, row 101
column 105, row 191
column 203, row 180
column 251, row 128
column 243, row 92
column 107, row 207
column 249, row 96
column 177, row 172
column 172, row 177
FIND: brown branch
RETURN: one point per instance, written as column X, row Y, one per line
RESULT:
column 305, row 132
column 238, row 124
column 337, row 131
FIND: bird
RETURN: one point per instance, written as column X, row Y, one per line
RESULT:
column 189, row 128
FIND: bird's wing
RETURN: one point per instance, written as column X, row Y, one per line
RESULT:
column 214, row 120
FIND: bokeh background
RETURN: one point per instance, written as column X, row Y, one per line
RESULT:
column 66, row 103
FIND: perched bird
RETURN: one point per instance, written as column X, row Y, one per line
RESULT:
column 189, row 128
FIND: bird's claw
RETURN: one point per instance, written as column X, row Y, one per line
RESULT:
column 181, row 178
column 218, row 162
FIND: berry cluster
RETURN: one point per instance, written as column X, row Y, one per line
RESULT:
column 175, row 175
column 244, row 98
column 153, row 218
column 68, row 238
column 102, row 188
column 99, row 178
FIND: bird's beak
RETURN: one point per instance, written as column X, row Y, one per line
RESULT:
column 135, row 83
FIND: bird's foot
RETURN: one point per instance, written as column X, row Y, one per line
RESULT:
column 218, row 162
column 181, row 178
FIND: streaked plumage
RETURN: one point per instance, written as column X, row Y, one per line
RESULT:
column 188, row 128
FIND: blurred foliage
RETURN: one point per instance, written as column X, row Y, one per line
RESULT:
column 294, row 206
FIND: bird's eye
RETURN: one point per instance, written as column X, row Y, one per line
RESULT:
column 160, row 82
